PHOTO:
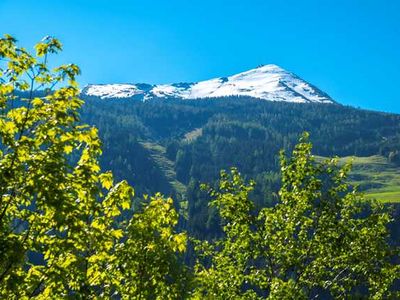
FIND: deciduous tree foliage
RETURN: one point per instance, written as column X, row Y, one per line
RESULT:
column 321, row 240
column 147, row 261
column 58, row 231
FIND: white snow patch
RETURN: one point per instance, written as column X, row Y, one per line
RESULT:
column 113, row 90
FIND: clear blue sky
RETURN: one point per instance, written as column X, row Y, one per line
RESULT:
column 348, row 48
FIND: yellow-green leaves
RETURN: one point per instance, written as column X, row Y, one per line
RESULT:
column 106, row 180
column 48, row 45
column 50, row 206
column 68, row 149
column 6, row 89
column 9, row 127
column 149, row 261
column 321, row 236
column 68, row 72
column 37, row 102
column 180, row 241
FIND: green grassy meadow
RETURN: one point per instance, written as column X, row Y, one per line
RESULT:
column 375, row 176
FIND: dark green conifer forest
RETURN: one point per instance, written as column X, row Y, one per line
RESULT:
column 198, row 138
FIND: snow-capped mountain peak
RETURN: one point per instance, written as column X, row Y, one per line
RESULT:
column 267, row 82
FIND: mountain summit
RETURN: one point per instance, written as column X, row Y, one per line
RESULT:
column 267, row 82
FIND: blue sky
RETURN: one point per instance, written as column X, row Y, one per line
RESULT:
column 348, row 48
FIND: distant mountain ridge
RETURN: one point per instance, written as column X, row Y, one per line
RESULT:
column 266, row 82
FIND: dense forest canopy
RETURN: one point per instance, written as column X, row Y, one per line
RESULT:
column 250, row 131
column 198, row 138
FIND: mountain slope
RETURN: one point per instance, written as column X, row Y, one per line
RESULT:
column 158, row 155
column 174, row 146
column 268, row 82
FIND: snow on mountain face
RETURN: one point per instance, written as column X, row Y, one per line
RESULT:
column 268, row 82
column 112, row 90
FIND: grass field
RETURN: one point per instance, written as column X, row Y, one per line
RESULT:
column 375, row 177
